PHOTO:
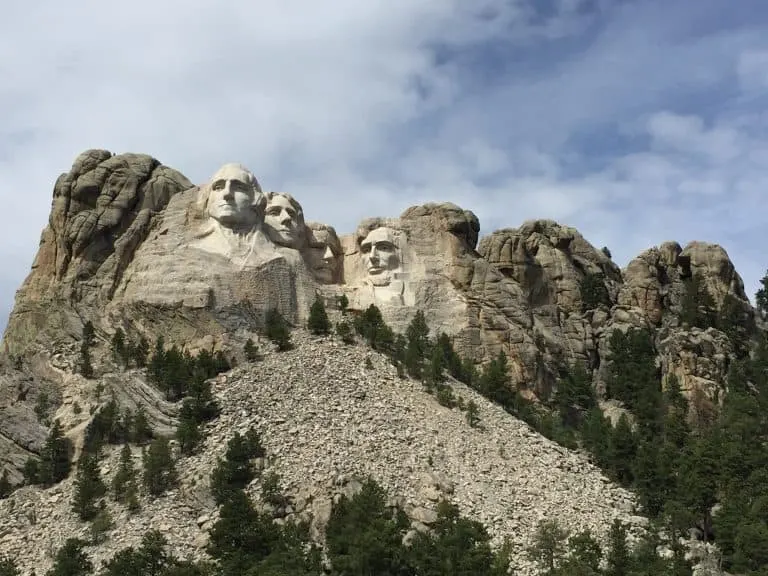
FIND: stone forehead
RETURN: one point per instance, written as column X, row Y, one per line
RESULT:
column 381, row 233
column 282, row 197
column 235, row 171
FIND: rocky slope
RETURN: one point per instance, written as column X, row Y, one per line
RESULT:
column 133, row 244
column 326, row 421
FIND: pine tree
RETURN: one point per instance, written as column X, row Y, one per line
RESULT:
column 277, row 330
column 698, row 488
column 622, row 450
column 494, row 383
column 595, row 435
column 140, row 352
column 250, row 350
column 549, row 546
column 593, row 291
column 318, row 322
column 618, row 557
column 141, row 432
column 344, row 330
column 364, row 537
column 5, row 486
column 472, row 414
column 8, row 567
column 343, row 302
column 89, row 487
column 236, row 470
column 159, row 467
column 125, row 475
column 188, row 432
column 157, row 364
column 697, row 307
column 417, row 348
column 71, row 560
column 732, row 321
column 55, row 459
column 87, row 342
column 434, row 370
column 457, row 546
column 761, row 297
column 118, row 347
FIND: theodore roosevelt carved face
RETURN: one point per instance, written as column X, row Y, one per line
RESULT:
column 381, row 255
column 325, row 253
column 284, row 220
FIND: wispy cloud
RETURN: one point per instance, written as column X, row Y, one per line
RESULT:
column 635, row 121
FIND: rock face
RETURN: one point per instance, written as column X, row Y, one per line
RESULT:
column 133, row 244
column 102, row 211
column 328, row 422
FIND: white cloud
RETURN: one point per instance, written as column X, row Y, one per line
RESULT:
column 364, row 108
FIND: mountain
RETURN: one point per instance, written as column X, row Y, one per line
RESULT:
column 133, row 246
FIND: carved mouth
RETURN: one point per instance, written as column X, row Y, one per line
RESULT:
column 376, row 270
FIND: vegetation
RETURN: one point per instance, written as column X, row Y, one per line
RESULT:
column 236, row 471
column 593, row 291
column 55, row 459
column 251, row 351
column 124, row 483
column 277, row 330
column 318, row 322
column 697, row 307
column 86, row 343
column 89, row 487
column 8, row 567
column 177, row 373
column 344, row 330
column 159, row 467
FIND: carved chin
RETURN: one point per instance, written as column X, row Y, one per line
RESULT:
column 283, row 238
column 324, row 275
column 382, row 279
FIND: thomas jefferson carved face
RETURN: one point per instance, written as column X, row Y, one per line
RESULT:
column 284, row 220
column 325, row 252
column 381, row 256
column 232, row 196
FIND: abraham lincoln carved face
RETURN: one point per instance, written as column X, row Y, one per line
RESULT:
column 381, row 255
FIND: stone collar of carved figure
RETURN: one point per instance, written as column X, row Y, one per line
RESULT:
column 325, row 253
column 284, row 220
column 381, row 256
column 232, row 197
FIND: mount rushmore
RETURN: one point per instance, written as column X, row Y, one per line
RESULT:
column 134, row 244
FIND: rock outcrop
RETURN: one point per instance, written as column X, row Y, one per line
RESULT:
column 133, row 244
column 102, row 211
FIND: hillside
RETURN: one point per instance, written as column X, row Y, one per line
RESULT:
column 324, row 418
column 588, row 380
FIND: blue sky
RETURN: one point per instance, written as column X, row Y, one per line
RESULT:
column 636, row 121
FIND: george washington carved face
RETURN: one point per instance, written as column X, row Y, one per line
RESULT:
column 381, row 255
column 233, row 196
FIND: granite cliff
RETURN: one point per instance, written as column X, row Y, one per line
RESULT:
column 133, row 244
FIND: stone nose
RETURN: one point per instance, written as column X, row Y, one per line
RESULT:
column 328, row 254
column 228, row 192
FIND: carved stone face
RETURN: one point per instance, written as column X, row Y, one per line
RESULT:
column 232, row 195
column 325, row 252
column 381, row 256
column 283, row 221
